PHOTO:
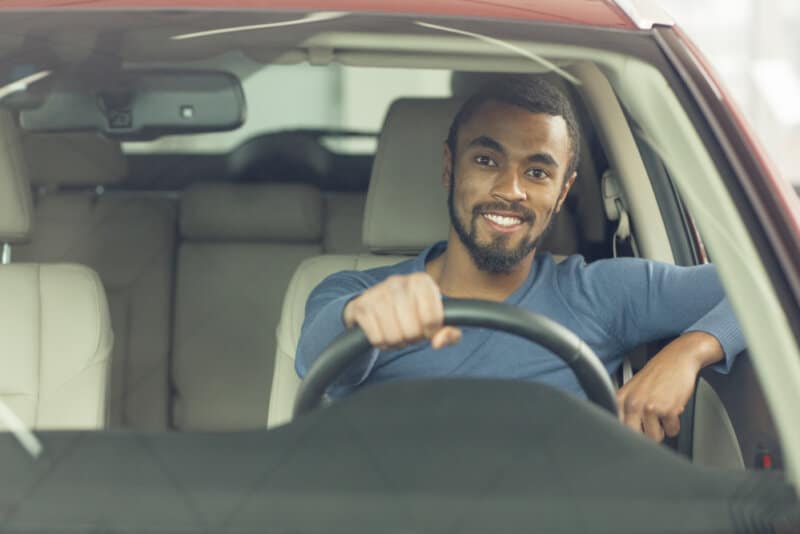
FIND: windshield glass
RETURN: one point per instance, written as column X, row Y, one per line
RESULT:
column 200, row 182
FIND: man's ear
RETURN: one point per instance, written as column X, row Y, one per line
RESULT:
column 447, row 166
column 565, row 190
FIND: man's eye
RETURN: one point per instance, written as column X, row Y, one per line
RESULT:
column 538, row 174
column 485, row 160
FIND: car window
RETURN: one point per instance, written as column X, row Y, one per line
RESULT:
column 207, row 246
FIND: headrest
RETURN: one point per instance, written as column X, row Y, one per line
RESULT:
column 16, row 210
column 406, row 203
column 251, row 212
column 76, row 159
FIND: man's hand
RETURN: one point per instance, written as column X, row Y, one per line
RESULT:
column 401, row 310
column 653, row 400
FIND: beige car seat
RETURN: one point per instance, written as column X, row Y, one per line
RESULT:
column 54, row 320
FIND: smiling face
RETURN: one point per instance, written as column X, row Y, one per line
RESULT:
column 506, row 182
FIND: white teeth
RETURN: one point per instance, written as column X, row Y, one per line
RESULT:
column 502, row 221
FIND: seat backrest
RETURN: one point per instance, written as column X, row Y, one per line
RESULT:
column 54, row 320
column 239, row 246
column 128, row 238
column 406, row 211
column 342, row 222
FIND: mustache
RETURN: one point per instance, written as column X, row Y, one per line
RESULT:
column 517, row 209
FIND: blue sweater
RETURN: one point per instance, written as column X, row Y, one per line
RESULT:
column 613, row 305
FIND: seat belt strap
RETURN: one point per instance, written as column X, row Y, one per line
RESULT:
column 615, row 211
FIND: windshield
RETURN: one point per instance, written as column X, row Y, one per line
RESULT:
column 199, row 180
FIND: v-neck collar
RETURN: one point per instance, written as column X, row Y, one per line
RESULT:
column 437, row 249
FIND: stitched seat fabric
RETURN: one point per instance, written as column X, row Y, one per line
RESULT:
column 129, row 239
column 239, row 246
column 54, row 320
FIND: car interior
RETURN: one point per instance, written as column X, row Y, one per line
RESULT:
column 206, row 257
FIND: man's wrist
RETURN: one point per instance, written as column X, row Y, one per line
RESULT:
column 705, row 349
column 347, row 317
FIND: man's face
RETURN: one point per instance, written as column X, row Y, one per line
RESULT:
column 506, row 182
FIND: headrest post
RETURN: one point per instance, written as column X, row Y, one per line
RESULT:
column 5, row 257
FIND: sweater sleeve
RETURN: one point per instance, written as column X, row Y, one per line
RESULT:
column 324, row 322
column 642, row 300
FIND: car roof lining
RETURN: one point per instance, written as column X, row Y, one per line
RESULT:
column 69, row 38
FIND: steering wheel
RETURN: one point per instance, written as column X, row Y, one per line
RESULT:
column 588, row 368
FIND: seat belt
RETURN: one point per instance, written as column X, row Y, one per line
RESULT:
column 615, row 211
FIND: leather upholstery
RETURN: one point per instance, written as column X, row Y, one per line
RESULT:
column 228, row 299
column 16, row 219
column 57, row 339
column 344, row 218
column 129, row 240
column 310, row 273
column 54, row 320
column 406, row 203
column 277, row 212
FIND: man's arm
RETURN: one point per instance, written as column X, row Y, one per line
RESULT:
column 654, row 399
column 658, row 301
column 398, row 311
column 324, row 316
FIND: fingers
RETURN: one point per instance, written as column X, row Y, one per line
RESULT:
column 430, row 309
column 401, row 310
column 372, row 330
column 449, row 335
column 633, row 420
column 653, row 421
column 671, row 424
column 621, row 404
column 652, row 426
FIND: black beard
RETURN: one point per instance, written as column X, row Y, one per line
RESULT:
column 493, row 257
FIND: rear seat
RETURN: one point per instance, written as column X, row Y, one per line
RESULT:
column 344, row 214
column 239, row 246
column 129, row 240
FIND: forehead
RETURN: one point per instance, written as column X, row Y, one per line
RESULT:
column 518, row 130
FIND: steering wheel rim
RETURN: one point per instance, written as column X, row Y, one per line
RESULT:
column 586, row 365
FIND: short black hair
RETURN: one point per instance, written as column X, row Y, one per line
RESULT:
column 531, row 93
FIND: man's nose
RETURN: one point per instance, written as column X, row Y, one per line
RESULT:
column 508, row 187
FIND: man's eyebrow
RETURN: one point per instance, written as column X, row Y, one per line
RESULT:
column 543, row 157
column 539, row 157
column 487, row 142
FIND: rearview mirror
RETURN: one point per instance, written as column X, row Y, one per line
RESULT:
column 139, row 105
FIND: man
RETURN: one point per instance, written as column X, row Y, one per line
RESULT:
column 509, row 162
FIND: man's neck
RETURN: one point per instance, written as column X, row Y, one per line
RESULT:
column 459, row 277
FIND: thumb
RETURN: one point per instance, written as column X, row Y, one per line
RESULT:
column 448, row 335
